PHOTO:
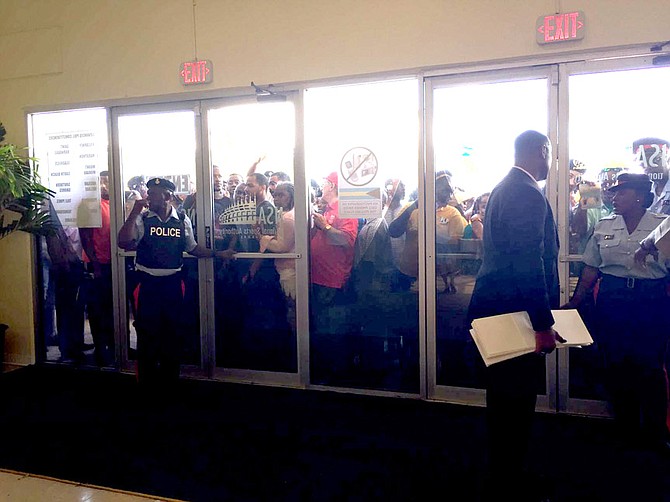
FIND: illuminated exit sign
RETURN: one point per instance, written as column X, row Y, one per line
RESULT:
column 555, row 28
column 196, row 72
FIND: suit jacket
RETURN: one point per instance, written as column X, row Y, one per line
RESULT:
column 519, row 269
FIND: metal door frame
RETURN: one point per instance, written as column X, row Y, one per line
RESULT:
column 566, row 70
column 118, row 219
column 607, row 60
column 301, row 377
column 462, row 395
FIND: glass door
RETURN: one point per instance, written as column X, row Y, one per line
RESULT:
column 362, row 159
column 472, row 122
column 75, row 261
column 259, row 226
column 159, row 141
column 610, row 105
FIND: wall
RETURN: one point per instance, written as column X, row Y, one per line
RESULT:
column 16, row 298
column 57, row 52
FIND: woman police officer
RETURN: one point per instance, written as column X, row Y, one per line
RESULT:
column 631, row 310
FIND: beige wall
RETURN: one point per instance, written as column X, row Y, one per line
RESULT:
column 16, row 298
column 56, row 52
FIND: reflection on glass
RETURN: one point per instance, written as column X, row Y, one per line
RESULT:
column 363, row 298
column 471, row 156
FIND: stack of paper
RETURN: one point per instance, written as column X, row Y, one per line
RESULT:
column 505, row 336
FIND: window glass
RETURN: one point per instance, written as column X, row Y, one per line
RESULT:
column 77, row 316
column 474, row 128
column 609, row 112
column 148, row 150
column 361, row 152
column 251, row 147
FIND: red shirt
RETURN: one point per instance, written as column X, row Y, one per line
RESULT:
column 101, row 236
column 331, row 264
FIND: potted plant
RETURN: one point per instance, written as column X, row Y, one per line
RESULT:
column 22, row 196
column 22, row 200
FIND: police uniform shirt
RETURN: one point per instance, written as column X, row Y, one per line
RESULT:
column 661, row 203
column 612, row 250
column 189, row 241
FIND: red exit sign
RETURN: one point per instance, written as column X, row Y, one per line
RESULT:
column 555, row 28
column 196, row 72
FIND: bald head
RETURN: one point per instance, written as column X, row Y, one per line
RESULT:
column 532, row 152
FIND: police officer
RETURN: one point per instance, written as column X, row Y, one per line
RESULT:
column 160, row 236
column 631, row 310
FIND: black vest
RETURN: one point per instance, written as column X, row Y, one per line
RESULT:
column 163, row 242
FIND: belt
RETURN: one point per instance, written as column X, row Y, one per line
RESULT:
column 144, row 276
column 633, row 282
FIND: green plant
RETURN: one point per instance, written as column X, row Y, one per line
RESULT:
column 22, row 196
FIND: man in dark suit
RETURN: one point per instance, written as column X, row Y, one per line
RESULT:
column 518, row 273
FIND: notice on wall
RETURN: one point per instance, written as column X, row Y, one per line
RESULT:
column 359, row 192
column 74, row 162
column 360, row 202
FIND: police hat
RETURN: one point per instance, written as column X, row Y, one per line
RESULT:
column 160, row 183
column 639, row 182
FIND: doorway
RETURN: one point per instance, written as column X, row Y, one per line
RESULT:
column 404, row 332
column 471, row 124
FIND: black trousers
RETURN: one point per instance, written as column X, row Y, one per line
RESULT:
column 511, row 393
column 70, row 310
column 101, row 315
column 633, row 332
column 158, row 324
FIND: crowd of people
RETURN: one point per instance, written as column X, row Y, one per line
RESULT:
column 363, row 303
column 355, row 263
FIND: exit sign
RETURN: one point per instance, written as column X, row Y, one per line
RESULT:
column 196, row 72
column 555, row 28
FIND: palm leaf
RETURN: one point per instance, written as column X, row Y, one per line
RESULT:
column 22, row 196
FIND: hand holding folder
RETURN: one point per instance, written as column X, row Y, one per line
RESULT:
column 505, row 336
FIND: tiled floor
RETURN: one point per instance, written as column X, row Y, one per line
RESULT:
column 21, row 487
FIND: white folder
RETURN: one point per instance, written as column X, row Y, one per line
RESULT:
column 505, row 336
